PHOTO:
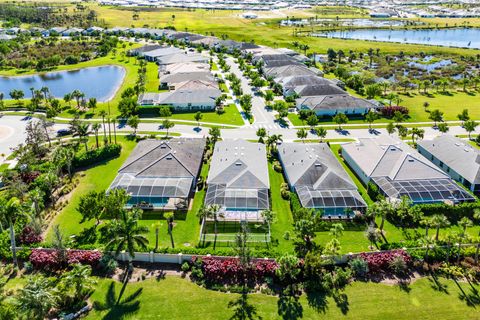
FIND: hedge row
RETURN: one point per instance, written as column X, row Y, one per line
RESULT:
column 83, row 159
column 453, row 213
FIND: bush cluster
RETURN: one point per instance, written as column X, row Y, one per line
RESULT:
column 389, row 111
column 30, row 236
column 50, row 260
column 381, row 261
column 93, row 156
column 230, row 270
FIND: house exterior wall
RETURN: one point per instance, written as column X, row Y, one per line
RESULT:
column 445, row 168
column 333, row 112
column 192, row 106
column 353, row 165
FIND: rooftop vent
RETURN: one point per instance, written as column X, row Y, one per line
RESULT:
column 238, row 164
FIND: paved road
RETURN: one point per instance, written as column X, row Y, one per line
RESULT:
column 261, row 115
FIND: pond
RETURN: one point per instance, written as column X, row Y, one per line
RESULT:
column 460, row 37
column 95, row 82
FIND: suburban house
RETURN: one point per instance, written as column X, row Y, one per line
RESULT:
column 238, row 179
column 183, row 67
column 455, row 157
column 141, row 50
column 181, row 57
column 320, row 181
column 290, row 83
column 161, row 174
column 156, row 54
column 398, row 170
column 189, row 96
column 330, row 105
column 206, row 42
column 279, row 73
column 170, row 81
column 323, row 89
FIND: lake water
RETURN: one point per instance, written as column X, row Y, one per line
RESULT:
column 96, row 82
column 460, row 37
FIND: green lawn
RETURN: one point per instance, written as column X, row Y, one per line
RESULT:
column 96, row 178
column 230, row 116
column 177, row 298
column 281, row 207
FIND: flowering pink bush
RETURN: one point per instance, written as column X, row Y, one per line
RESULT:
column 44, row 259
column 90, row 257
column 29, row 236
column 390, row 111
column 48, row 259
column 380, row 261
column 230, row 270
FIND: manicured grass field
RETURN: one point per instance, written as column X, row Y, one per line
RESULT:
column 230, row 116
column 96, row 178
column 177, row 298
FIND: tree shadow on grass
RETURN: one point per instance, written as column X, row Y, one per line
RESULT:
column 317, row 301
column 242, row 309
column 118, row 308
column 472, row 297
column 87, row 236
column 289, row 307
column 341, row 300
column 436, row 285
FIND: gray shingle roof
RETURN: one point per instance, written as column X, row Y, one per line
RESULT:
column 325, row 89
column 302, row 80
column 287, row 71
column 337, row 102
column 178, row 157
column 318, row 177
column 385, row 156
column 456, row 154
column 239, row 164
column 186, row 76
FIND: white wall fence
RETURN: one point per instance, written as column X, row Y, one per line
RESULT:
column 180, row 258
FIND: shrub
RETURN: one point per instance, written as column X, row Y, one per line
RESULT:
column 295, row 204
column 380, row 261
column 108, row 264
column 453, row 213
column 398, row 264
column 229, row 270
column 359, row 267
column 388, row 111
column 49, row 260
column 30, row 236
column 285, row 194
column 96, row 155
column 185, row 267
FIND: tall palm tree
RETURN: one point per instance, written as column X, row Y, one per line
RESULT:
column 95, row 127
column 127, row 234
column 273, row 140
column 439, row 221
column 170, row 216
column 103, row 114
column 380, row 209
column 78, row 280
column 465, row 223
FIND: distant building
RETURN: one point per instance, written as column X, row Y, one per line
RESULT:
column 398, row 170
column 455, row 157
column 330, row 105
column 161, row 174
column 320, row 181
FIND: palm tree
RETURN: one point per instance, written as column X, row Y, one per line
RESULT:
column 103, row 114
column 95, row 127
column 156, row 226
column 127, row 234
column 45, row 92
column 439, row 221
column 67, row 98
column 370, row 117
column 214, row 212
column 470, row 126
column 302, row 134
column 465, row 223
column 82, row 132
column 170, row 216
column 273, row 140
column 79, row 280
column 167, row 124
column 417, row 132
column 380, row 209
column 321, row 133
column 261, row 134
column 10, row 210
